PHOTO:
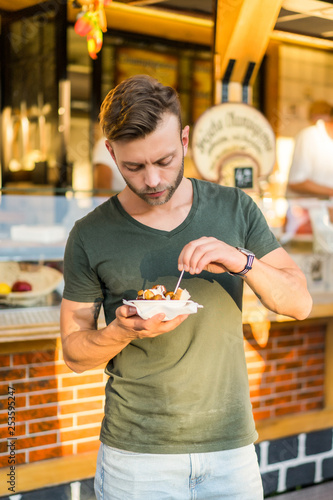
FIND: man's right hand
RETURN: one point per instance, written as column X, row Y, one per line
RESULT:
column 138, row 328
column 85, row 346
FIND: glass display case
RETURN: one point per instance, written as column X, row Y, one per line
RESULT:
column 33, row 232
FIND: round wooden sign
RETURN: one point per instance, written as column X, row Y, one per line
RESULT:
column 233, row 144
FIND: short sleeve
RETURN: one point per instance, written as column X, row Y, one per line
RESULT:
column 259, row 238
column 81, row 281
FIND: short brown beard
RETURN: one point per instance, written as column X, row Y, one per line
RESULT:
column 171, row 189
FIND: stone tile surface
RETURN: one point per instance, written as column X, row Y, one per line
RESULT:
column 322, row 491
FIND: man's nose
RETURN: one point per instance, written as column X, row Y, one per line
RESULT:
column 152, row 176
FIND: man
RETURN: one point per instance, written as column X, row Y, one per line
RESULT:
column 178, row 422
column 106, row 175
column 311, row 171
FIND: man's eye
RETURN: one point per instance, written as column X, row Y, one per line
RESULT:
column 165, row 162
column 134, row 169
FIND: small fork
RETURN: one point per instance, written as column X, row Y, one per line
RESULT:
column 178, row 282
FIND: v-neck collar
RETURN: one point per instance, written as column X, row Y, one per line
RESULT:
column 174, row 231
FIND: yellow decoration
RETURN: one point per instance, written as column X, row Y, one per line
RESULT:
column 91, row 22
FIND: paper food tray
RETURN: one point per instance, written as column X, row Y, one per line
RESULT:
column 171, row 308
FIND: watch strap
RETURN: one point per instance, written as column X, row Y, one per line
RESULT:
column 248, row 266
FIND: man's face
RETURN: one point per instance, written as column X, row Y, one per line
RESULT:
column 153, row 166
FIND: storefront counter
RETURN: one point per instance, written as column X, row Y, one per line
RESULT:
column 39, row 323
column 58, row 413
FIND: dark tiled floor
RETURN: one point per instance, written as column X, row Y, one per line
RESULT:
column 322, row 491
column 83, row 491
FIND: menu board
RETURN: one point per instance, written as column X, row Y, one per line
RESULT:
column 234, row 145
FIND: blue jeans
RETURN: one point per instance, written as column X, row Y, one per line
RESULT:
column 228, row 475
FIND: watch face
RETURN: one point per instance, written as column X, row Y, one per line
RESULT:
column 245, row 251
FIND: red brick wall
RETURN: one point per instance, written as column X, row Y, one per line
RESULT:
column 286, row 371
column 59, row 413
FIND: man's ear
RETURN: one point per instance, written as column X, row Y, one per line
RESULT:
column 110, row 149
column 185, row 138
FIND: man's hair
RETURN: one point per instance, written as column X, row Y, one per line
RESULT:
column 320, row 108
column 135, row 107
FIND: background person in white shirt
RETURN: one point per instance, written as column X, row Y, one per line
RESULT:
column 311, row 171
column 106, row 174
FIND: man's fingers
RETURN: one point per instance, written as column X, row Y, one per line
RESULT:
column 149, row 328
column 156, row 319
column 165, row 326
column 126, row 311
column 197, row 254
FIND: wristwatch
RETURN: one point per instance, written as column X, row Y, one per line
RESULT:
column 250, row 258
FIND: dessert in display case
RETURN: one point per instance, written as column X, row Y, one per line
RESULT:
column 33, row 234
column 27, row 284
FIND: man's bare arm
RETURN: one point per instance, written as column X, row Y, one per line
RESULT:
column 281, row 285
column 85, row 346
column 103, row 176
column 308, row 187
column 275, row 279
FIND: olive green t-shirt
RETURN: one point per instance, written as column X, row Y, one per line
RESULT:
column 187, row 390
